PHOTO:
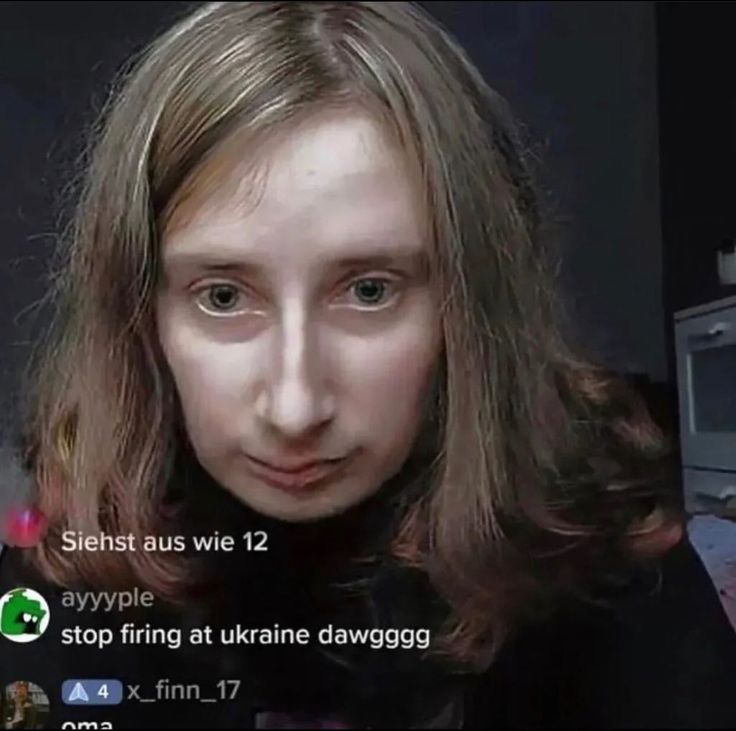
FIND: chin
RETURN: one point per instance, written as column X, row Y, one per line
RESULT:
column 300, row 516
column 295, row 508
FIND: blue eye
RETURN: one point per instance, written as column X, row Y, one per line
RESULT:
column 220, row 299
column 371, row 290
column 223, row 296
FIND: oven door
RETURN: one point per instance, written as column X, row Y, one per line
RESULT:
column 706, row 375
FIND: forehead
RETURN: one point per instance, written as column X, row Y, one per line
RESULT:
column 336, row 178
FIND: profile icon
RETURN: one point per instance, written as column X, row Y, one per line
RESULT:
column 24, row 615
column 23, row 705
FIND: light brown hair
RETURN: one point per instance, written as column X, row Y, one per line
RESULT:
column 543, row 478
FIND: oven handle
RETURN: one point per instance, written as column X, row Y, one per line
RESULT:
column 726, row 494
column 712, row 332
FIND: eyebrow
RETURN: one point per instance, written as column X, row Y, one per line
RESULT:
column 222, row 261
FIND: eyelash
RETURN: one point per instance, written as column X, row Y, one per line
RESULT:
column 385, row 281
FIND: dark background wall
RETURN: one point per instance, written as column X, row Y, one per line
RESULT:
column 698, row 143
column 581, row 75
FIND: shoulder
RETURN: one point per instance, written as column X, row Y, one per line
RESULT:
column 35, row 661
column 78, row 644
column 664, row 657
column 16, row 570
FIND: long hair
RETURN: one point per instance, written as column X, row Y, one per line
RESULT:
column 545, row 476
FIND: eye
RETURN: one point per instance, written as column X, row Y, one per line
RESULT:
column 221, row 299
column 372, row 291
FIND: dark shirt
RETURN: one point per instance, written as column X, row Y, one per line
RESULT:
column 27, row 718
column 664, row 658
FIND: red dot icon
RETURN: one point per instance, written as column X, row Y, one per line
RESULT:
column 22, row 527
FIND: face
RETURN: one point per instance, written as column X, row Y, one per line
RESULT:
column 302, row 332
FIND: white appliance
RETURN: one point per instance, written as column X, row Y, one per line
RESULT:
column 705, row 343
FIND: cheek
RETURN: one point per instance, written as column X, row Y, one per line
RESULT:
column 388, row 378
column 208, row 376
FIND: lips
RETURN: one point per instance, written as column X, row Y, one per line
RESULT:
column 295, row 468
column 297, row 477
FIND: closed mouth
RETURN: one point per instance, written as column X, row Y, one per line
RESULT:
column 303, row 476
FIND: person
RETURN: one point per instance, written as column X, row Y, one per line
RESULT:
column 21, row 712
column 308, row 303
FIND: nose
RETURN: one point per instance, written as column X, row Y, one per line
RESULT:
column 296, row 400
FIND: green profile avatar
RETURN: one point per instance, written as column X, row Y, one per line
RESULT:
column 22, row 615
